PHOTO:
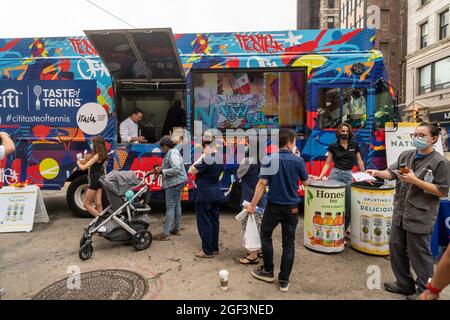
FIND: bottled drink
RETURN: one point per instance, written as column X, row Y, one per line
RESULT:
column 429, row 177
column 328, row 230
column 404, row 168
column 338, row 230
column 365, row 228
column 318, row 222
column 378, row 230
column 388, row 229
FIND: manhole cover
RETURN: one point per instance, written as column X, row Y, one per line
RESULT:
column 99, row 285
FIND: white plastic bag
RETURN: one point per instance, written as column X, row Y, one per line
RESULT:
column 251, row 239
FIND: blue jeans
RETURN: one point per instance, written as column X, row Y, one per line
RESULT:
column 208, row 225
column 173, row 208
column 344, row 176
column 273, row 216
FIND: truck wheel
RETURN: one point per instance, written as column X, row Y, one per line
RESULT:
column 76, row 194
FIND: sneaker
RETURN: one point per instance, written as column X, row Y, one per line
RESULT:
column 415, row 295
column 394, row 288
column 175, row 232
column 261, row 274
column 284, row 286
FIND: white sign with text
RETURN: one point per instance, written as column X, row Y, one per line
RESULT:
column 399, row 140
column 20, row 208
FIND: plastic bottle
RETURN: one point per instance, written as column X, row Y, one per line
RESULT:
column 404, row 168
column 328, row 230
column 429, row 177
column 318, row 222
column 338, row 230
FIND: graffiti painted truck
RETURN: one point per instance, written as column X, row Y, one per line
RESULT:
column 57, row 93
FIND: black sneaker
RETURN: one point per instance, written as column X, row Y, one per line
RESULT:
column 284, row 286
column 261, row 274
column 394, row 288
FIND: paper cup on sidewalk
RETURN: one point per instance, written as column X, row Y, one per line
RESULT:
column 223, row 276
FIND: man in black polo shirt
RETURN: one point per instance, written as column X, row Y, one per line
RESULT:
column 282, row 206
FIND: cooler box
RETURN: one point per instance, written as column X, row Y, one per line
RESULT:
column 371, row 212
column 324, row 220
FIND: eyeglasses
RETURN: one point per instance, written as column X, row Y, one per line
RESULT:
column 418, row 135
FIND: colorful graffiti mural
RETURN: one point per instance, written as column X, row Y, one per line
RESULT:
column 254, row 80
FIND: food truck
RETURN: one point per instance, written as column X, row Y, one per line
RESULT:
column 57, row 93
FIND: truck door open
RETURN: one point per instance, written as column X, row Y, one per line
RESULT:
column 147, row 73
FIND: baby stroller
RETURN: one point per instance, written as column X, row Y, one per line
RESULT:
column 125, row 219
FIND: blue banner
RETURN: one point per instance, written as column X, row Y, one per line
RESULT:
column 53, row 103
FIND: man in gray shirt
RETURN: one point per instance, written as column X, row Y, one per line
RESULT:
column 416, row 205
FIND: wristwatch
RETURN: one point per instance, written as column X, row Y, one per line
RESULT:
column 432, row 289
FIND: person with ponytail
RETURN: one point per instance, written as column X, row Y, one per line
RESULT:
column 95, row 164
column 345, row 154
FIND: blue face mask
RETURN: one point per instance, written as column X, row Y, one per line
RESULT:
column 419, row 143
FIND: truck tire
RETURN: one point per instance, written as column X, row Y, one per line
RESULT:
column 76, row 194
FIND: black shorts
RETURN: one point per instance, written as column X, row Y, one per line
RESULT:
column 94, row 183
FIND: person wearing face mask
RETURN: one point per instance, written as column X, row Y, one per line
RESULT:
column 344, row 153
column 248, row 176
column 416, row 206
column 174, row 178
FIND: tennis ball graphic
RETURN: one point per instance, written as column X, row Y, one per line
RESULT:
column 49, row 168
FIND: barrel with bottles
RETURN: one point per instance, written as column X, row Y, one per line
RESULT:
column 324, row 220
column 371, row 217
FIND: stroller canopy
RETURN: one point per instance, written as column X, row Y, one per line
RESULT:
column 120, row 182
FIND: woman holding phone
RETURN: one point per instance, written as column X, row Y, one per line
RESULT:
column 423, row 177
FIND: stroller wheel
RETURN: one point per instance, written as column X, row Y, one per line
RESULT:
column 86, row 251
column 142, row 240
column 82, row 241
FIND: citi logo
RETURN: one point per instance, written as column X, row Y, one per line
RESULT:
column 9, row 98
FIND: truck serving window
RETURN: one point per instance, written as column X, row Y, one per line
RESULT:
column 155, row 105
column 249, row 99
column 342, row 105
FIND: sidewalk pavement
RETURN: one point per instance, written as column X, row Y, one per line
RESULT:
column 29, row 262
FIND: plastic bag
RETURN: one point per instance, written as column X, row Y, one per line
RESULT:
column 251, row 240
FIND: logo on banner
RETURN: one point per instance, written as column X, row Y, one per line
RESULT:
column 9, row 98
column 92, row 118
column 57, row 98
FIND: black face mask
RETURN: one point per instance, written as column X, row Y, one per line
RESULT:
column 344, row 137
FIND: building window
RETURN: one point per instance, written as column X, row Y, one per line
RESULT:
column 443, row 24
column 435, row 76
column 331, row 4
column 425, row 79
column 385, row 20
column 384, row 47
column 423, row 35
column 442, row 74
column 330, row 22
column 423, row 2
